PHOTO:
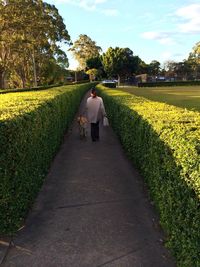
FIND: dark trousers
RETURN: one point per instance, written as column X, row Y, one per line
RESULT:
column 95, row 131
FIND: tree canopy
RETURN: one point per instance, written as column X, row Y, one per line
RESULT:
column 30, row 34
column 83, row 49
column 154, row 67
column 194, row 60
column 195, row 54
column 120, row 62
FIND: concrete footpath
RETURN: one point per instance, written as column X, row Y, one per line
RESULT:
column 93, row 210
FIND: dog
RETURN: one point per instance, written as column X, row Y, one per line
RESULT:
column 82, row 122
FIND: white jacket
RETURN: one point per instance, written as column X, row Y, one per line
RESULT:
column 95, row 109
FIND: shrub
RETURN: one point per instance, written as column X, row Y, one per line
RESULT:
column 176, row 83
column 39, row 88
column 164, row 143
column 82, row 81
column 31, row 128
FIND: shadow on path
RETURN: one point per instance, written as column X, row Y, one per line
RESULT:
column 92, row 211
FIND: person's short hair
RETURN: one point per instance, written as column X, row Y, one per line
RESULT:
column 94, row 92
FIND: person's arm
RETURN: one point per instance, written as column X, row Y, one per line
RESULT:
column 85, row 110
column 103, row 108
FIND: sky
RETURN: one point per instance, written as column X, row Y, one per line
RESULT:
column 159, row 30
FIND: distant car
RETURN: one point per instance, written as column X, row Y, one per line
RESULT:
column 109, row 83
column 116, row 81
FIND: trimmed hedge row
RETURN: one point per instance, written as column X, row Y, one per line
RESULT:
column 31, row 128
column 176, row 83
column 38, row 88
column 164, row 143
column 82, row 81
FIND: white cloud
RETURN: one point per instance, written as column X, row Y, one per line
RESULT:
column 152, row 35
column 191, row 19
column 161, row 37
column 100, row 1
column 91, row 5
column 110, row 12
column 187, row 20
column 166, row 55
column 171, row 56
column 189, row 12
column 147, row 15
column 167, row 41
column 127, row 28
column 85, row 4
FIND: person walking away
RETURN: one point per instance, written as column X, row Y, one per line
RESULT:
column 95, row 112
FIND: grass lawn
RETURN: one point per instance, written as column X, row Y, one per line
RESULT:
column 181, row 96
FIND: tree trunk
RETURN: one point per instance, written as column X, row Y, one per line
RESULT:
column 34, row 69
column 75, row 73
column 22, row 76
column 2, row 80
column 23, row 82
column 118, row 79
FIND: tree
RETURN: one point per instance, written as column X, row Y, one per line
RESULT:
column 94, row 62
column 154, row 68
column 194, row 60
column 195, row 54
column 169, row 67
column 93, row 73
column 142, row 66
column 52, row 73
column 120, row 62
column 179, row 70
column 30, row 33
column 183, row 70
column 83, row 49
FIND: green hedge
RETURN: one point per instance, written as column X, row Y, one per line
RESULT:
column 164, row 143
column 31, row 128
column 176, row 83
column 39, row 88
column 82, row 81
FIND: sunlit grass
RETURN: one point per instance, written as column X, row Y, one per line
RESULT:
column 181, row 96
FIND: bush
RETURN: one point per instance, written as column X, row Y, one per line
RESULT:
column 177, row 83
column 164, row 143
column 31, row 128
column 39, row 88
column 82, row 81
